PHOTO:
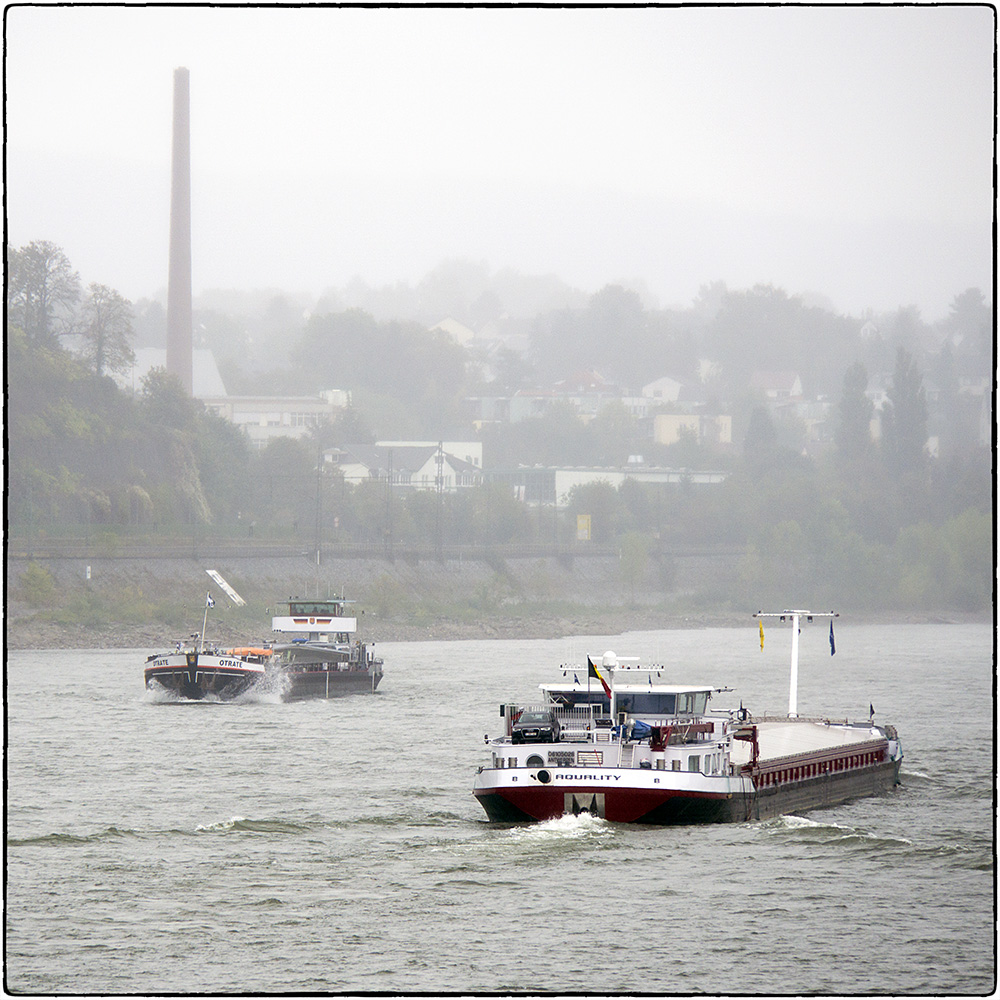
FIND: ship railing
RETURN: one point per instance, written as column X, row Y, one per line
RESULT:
column 582, row 723
column 820, row 720
column 674, row 730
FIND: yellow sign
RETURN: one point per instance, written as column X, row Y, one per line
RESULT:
column 583, row 527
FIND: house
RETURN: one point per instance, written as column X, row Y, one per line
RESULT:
column 551, row 486
column 780, row 387
column 263, row 418
column 707, row 428
column 420, row 465
column 663, row 390
column 458, row 332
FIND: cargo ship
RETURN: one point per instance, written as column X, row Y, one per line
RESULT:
column 628, row 747
column 325, row 661
column 195, row 669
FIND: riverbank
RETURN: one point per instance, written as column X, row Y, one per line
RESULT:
column 26, row 632
column 32, row 633
column 150, row 604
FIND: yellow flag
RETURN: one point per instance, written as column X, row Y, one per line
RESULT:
column 762, row 636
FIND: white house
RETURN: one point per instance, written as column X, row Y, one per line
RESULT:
column 663, row 390
column 777, row 386
column 413, row 464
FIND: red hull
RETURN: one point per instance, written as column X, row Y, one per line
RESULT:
column 619, row 805
column 669, row 806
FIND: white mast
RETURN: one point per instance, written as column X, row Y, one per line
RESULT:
column 793, row 682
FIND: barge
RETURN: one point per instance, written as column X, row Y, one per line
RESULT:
column 195, row 670
column 326, row 661
column 630, row 748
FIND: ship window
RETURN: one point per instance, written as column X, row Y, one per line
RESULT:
column 675, row 765
column 652, row 703
column 692, row 703
column 694, row 762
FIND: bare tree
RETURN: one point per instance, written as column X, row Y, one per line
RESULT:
column 107, row 330
column 42, row 289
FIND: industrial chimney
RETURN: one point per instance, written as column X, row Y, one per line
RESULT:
column 179, row 325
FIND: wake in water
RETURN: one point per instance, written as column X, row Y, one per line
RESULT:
column 802, row 828
column 71, row 839
column 563, row 830
column 242, row 824
column 269, row 691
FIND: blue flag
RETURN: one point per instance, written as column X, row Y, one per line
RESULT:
column 833, row 646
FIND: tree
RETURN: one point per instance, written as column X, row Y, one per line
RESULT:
column 906, row 329
column 970, row 330
column 761, row 434
column 612, row 430
column 107, row 330
column 904, row 418
column 42, row 289
column 419, row 372
column 166, row 401
column 511, row 371
column 853, row 433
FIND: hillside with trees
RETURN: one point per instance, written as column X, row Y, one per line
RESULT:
column 873, row 525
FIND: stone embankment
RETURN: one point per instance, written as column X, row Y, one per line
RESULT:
column 150, row 603
column 127, row 601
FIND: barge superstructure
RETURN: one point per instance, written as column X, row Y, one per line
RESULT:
column 326, row 661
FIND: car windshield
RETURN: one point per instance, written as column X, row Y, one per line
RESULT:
column 534, row 717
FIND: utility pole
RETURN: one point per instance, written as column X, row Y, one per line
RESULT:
column 388, row 508
column 439, row 482
column 319, row 505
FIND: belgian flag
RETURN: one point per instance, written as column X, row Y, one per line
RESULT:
column 592, row 672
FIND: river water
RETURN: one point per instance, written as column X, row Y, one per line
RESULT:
column 162, row 847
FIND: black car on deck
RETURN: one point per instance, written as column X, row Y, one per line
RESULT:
column 535, row 726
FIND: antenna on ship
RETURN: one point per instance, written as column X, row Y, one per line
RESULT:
column 796, row 616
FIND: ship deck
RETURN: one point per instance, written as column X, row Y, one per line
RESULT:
column 788, row 737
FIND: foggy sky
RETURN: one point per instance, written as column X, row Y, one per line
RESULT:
column 844, row 151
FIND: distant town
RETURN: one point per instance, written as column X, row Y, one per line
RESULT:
column 846, row 456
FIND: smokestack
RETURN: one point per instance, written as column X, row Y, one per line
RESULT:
column 179, row 325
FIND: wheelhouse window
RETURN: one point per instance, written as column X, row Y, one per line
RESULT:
column 692, row 703
column 652, row 703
